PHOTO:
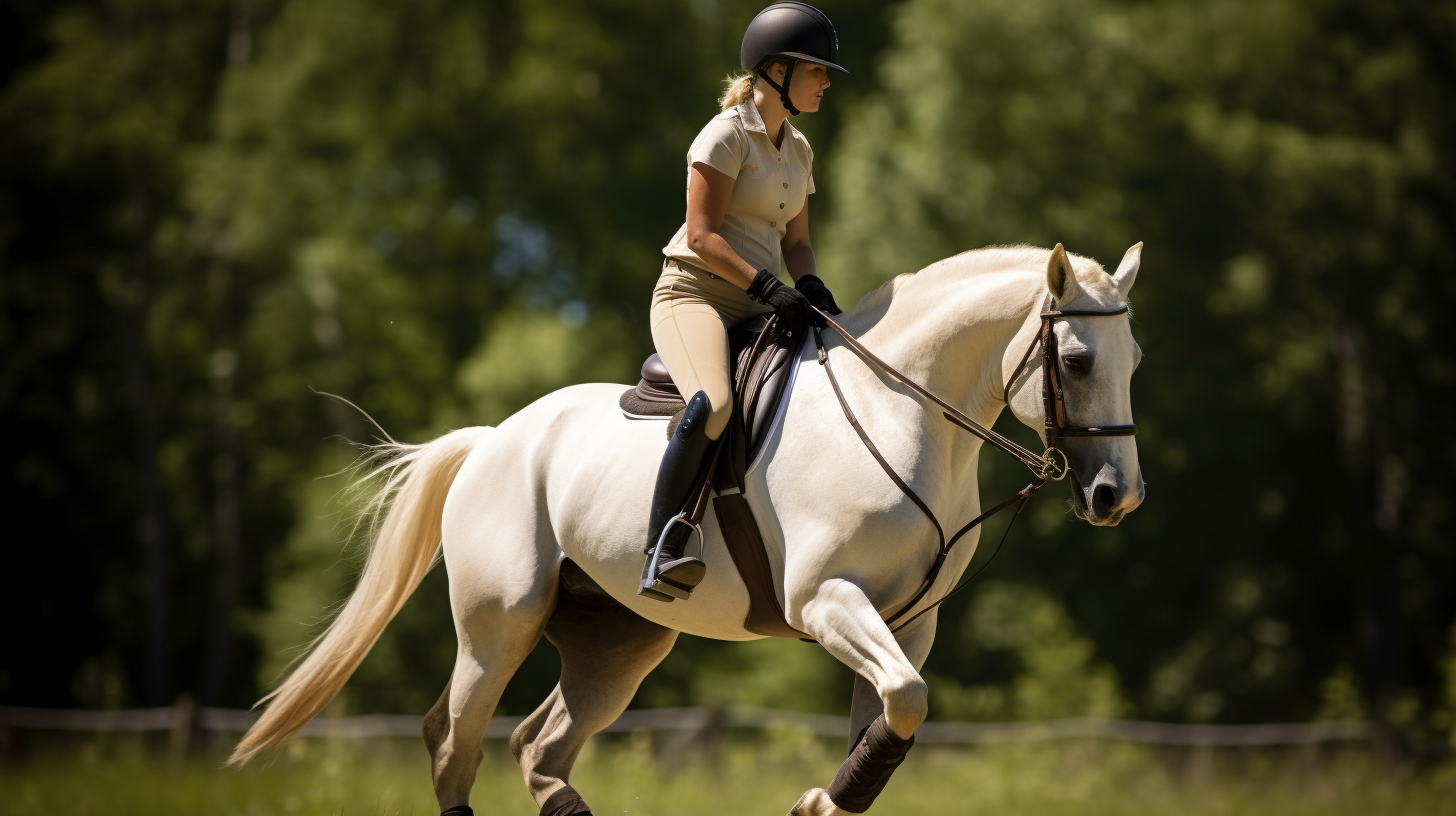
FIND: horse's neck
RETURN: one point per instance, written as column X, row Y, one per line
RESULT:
column 951, row 332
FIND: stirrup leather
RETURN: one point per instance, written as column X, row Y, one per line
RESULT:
column 661, row 587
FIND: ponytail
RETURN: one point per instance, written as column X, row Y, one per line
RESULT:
column 738, row 89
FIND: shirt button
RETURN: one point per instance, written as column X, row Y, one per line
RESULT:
column 773, row 223
column 781, row 206
column 781, row 158
column 786, row 185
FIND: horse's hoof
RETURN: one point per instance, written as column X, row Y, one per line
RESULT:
column 816, row 802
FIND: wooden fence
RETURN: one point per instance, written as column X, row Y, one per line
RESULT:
column 184, row 717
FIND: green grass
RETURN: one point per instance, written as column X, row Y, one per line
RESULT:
column 762, row 776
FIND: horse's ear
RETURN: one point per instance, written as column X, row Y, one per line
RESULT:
column 1061, row 279
column 1128, row 269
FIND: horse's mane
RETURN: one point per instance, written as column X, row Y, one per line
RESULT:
column 996, row 259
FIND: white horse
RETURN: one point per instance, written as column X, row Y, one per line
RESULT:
column 569, row 477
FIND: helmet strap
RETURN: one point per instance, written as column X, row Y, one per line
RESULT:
column 784, row 88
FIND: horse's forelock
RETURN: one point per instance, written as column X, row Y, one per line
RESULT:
column 1097, row 284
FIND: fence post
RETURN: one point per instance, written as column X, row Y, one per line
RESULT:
column 714, row 735
column 184, row 727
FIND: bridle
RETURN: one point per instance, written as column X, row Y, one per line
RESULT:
column 1050, row 465
column 1054, row 405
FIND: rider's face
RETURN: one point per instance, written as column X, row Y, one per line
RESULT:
column 806, row 88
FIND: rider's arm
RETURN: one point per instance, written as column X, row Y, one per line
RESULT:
column 798, row 254
column 708, row 194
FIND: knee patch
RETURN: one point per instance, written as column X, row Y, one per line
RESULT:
column 718, row 416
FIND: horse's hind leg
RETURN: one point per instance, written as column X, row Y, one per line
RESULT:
column 502, row 569
column 493, row 643
column 606, row 650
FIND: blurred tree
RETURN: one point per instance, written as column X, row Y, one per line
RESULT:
column 92, row 134
column 1033, row 662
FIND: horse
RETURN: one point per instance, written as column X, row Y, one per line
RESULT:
column 540, row 522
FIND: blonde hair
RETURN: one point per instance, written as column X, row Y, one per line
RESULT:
column 737, row 89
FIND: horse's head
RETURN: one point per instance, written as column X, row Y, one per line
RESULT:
column 1095, row 357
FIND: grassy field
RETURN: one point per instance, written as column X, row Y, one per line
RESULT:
column 765, row 776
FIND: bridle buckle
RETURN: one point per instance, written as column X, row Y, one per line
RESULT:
column 1055, row 465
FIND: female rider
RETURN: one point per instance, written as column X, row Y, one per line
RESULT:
column 749, row 176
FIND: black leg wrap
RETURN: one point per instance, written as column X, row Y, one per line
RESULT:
column 459, row 810
column 565, row 802
column 867, row 770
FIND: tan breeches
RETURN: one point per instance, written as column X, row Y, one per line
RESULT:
column 691, row 312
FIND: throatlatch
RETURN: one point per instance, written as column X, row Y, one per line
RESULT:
column 669, row 574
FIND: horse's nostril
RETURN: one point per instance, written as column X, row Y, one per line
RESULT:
column 1104, row 498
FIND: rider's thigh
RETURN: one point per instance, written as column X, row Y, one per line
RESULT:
column 693, row 343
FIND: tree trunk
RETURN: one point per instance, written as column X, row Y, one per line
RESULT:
column 227, row 501
column 227, row 529
column 1375, row 527
column 131, row 300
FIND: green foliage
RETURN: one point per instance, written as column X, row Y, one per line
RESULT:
column 527, row 355
column 774, row 673
column 1053, row 669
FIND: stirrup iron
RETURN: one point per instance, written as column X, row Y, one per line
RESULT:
column 662, row 588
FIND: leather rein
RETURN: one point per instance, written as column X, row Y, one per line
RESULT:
column 1050, row 465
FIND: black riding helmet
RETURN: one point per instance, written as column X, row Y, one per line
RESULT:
column 791, row 31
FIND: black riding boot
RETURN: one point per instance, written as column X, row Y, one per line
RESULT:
column 668, row 574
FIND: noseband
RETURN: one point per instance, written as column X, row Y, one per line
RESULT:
column 1050, row 465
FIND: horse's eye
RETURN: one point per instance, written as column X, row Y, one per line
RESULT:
column 1077, row 364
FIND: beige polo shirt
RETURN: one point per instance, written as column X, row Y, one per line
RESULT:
column 771, row 185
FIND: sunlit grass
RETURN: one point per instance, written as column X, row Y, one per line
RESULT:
column 638, row 775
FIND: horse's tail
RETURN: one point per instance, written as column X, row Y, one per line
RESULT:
column 405, row 544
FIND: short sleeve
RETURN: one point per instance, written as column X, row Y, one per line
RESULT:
column 808, row 159
column 720, row 145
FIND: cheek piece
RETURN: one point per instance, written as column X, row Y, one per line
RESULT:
column 784, row 88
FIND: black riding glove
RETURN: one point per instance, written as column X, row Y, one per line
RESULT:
column 792, row 307
column 818, row 294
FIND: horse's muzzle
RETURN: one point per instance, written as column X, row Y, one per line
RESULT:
column 1107, row 499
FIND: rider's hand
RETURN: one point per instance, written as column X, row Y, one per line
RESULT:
column 791, row 305
column 818, row 294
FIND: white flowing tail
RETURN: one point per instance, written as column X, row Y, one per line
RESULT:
column 417, row 479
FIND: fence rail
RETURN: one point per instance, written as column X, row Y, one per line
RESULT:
column 710, row 719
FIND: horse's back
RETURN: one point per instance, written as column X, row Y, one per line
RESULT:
column 580, row 474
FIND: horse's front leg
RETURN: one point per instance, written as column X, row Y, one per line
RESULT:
column 890, row 696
